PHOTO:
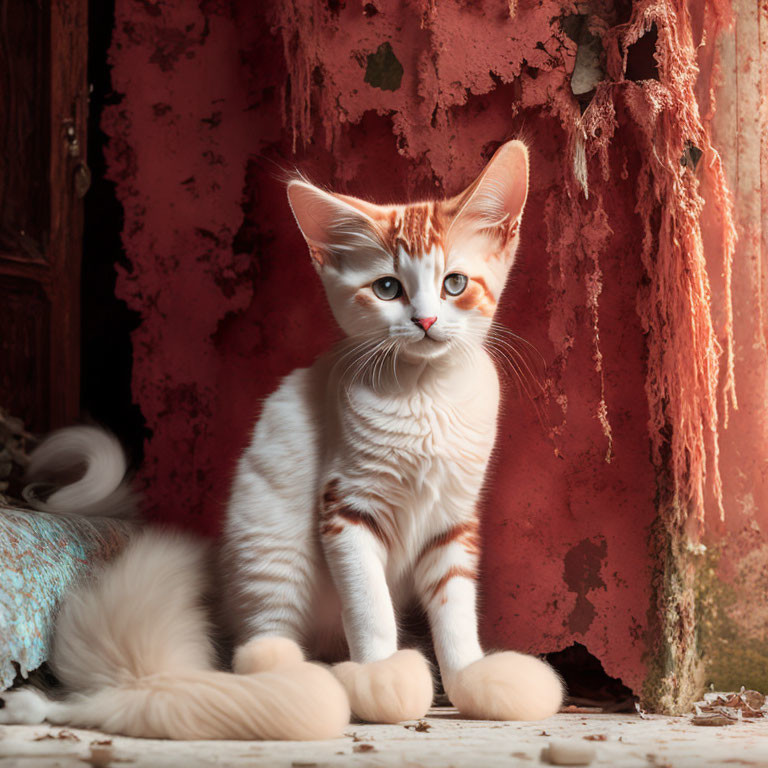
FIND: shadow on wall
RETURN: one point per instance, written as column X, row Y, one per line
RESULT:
column 107, row 352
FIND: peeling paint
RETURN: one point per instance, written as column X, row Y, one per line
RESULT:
column 383, row 70
column 581, row 574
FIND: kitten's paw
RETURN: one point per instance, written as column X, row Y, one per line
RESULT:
column 266, row 653
column 388, row 691
column 25, row 706
column 506, row 686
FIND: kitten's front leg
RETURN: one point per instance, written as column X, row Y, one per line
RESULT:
column 500, row 686
column 384, row 685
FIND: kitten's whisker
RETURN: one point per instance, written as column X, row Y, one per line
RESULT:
column 523, row 361
column 358, row 365
column 396, row 349
column 508, row 357
column 354, row 346
column 502, row 330
column 359, row 353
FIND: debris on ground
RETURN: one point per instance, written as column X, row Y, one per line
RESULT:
column 568, row 752
column 356, row 738
column 421, row 727
column 365, row 747
column 714, row 720
column 640, row 711
column 63, row 735
column 729, row 706
column 101, row 754
column 597, row 737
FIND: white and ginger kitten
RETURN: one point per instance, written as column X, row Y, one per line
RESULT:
column 356, row 497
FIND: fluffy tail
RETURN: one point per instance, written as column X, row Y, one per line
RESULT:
column 85, row 468
column 135, row 642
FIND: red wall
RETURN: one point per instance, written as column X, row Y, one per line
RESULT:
column 229, row 302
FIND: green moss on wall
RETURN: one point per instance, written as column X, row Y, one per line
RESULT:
column 674, row 679
column 732, row 656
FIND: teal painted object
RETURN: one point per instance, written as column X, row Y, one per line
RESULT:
column 41, row 555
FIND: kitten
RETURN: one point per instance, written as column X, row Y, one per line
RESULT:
column 356, row 496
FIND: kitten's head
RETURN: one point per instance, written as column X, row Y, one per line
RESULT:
column 424, row 277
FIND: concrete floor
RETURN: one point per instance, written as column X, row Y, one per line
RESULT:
column 619, row 740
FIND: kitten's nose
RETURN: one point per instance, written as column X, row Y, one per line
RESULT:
column 425, row 322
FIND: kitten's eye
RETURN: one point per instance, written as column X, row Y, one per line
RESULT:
column 387, row 288
column 455, row 284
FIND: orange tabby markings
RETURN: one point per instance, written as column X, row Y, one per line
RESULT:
column 329, row 529
column 453, row 572
column 363, row 300
column 333, row 508
column 465, row 533
column 416, row 228
column 477, row 296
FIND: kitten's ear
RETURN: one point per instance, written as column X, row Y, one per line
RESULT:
column 333, row 225
column 495, row 200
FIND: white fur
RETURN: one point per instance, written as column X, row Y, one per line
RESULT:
column 99, row 492
column 27, row 706
column 388, row 691
column 400, row 424
column 506, row 686
column 135, row 647
column 264, row 654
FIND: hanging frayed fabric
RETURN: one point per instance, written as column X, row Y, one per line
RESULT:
column 683, row 348
column 684, row 352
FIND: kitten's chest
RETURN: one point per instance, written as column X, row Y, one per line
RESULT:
column 418, row 459
column 421, row 438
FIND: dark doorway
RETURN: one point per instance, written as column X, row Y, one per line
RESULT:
column 107, row 353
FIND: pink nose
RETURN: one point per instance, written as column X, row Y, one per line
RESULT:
column 425, row 322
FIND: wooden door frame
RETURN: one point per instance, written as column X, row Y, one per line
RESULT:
column 69, row 121
column 58, row 271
